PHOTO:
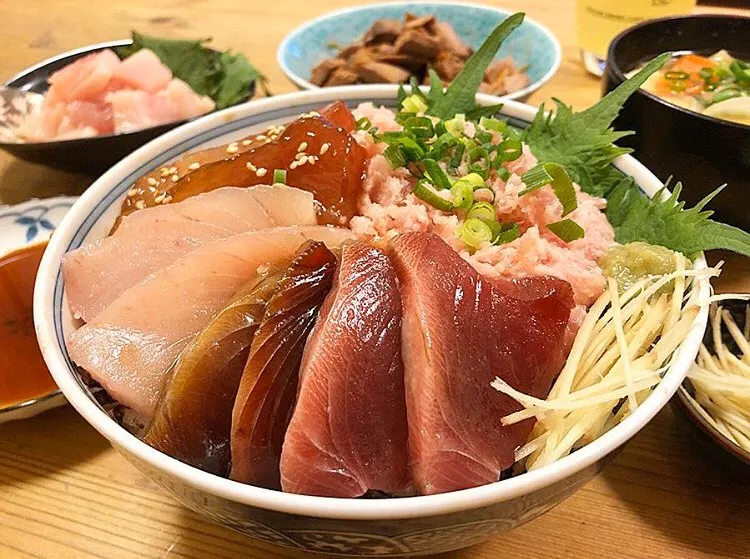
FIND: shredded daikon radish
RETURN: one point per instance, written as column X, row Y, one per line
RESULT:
column 625, row 344
column 722, row 380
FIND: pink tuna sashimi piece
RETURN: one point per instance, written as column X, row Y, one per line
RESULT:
column 143, row 71
column 86, row 114
column 85, row 79
column 187, row 102
column 460, row 331
column 129, row 346
column 135, row 110
column 348, row 431
column 96, row 274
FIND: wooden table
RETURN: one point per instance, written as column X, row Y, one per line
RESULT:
column 65, row 493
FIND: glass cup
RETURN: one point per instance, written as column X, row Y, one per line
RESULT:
column 598, row 21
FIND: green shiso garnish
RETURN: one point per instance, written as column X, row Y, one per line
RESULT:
column 568, row 146
column 223, row 76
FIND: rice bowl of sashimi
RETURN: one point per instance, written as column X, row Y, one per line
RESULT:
column 318, row 320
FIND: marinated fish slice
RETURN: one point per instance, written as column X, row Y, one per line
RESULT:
column 317, row 156
column 460, row 331
column 269, row 383
column 348, row 432
column 129, row 346
column 148, row 190
column 98, row 273
column 194, row 415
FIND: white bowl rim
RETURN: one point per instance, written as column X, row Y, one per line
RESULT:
column 305, row 84
column 326, row 507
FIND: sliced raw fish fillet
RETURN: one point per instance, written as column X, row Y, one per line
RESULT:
column 150, row 239
column 187, row 102
column 194, row 415
column 348, row 432
column 85, row 79
column 460, row 331
column 129, row 346
column 268, row 387
column 135, row 109
column 142, row 70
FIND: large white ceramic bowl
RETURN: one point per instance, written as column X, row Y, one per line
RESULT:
column 411, row 525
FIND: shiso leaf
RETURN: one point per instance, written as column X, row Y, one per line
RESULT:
column 584, row 143
column 460, row 97
column 223, row 76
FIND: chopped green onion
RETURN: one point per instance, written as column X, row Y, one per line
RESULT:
column 566, row 229
column 279, row 176
column 474, row 179
column 678, row 85
column 723, row 72
column 482, row 136
column 395, row 157
column 554, row 175
column 363, row 123
column 473, row 232
column 436, row 174
column 503, row 173
column 441, row 145
column 403, row 116
column 456, row 125
column 424, row 192
column 414, row 103
column 440, row 129
column 739, row 69
column 477, row 153
column 675, row 76
column 458, row 156
column 706, row 73
column 411, row 149
column 415, row 90
column 509, row 150
column 463, row 194
column 482, row 210
column 420, row 126
column 493, row 124
column 710, row 87
column 724, row 94
column 508, row 232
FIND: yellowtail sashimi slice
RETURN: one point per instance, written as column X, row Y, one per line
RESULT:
column 129, row 346
column 150, row 239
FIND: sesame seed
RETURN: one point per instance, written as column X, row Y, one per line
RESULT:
column 246, row 142
column 167, row 200
column 250, row 166
column 311, row 159
column 164, row 171
column 160, row 198
column 132, row 192
column 300, row 155
column 233, row 147
column 314, row 113
column 140, row 204
column 262, row 172
column 311, row 134
column 77, row 316
column 173, row 170
column 152, row 181
column 175, row 178
column 194, row 166
column 261, row 137
column 294, row 164
column 324, row 148
column 302, row 160
column 302, row 146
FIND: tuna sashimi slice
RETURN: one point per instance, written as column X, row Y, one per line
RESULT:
column 135, row 109
column 268, row 388
column 129, row 346
column 187, row 102
column 348, row 432
column 85, row 79
column 460, row 331
column 152, row 238
column 142, row 70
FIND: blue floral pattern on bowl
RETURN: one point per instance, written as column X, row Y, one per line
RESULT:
column 530, row 45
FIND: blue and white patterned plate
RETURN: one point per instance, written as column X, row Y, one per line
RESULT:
column 531, row 45
column 22, row 225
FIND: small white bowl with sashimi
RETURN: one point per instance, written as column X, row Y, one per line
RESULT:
column 401, row 345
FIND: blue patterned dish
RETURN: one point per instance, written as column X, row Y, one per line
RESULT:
column 361, row 527
column 531, row 44
column 24, row 225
